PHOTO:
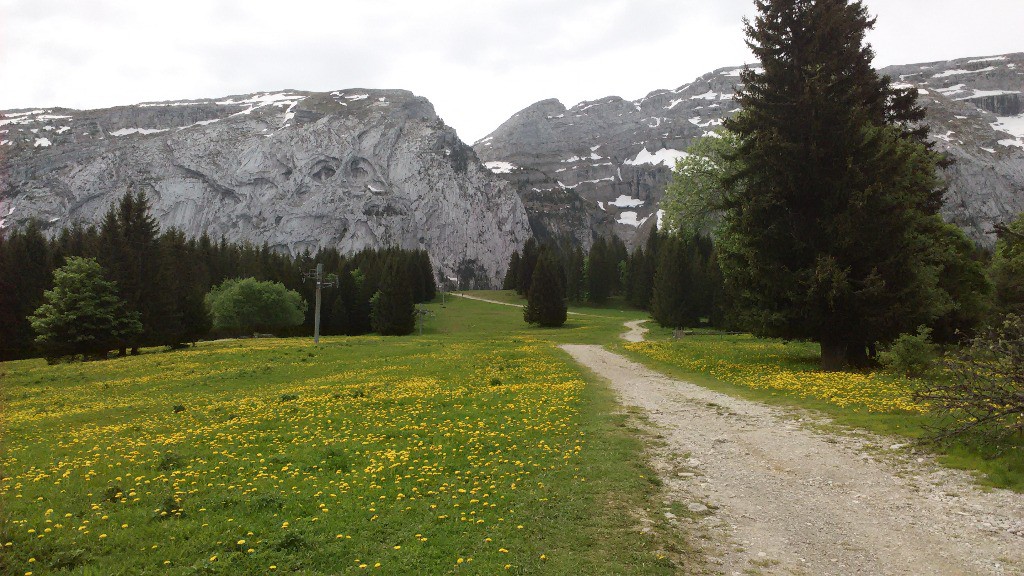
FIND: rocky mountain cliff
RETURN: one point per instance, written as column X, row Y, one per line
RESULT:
column 296, row 170
column 601, row 166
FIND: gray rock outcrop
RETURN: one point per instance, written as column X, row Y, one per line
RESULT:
column 295, row 170
column 613, row 157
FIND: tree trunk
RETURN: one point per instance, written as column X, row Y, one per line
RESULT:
column 857, row 355
column 833, row 356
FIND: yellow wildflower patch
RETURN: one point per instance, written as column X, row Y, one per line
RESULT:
column 773, row 365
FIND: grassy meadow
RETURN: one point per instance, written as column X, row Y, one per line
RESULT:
column 477, row 448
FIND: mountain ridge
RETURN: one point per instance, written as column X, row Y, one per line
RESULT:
column 541, row 151
column 357, row 168
column 296, row 170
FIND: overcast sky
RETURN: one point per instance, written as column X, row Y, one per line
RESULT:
column 478, row 61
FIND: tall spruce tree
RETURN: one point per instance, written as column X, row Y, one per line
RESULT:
column 601, row 272
column 830, row 236
column 393, row 309
column 526, row 266
column 512, row 274
column 677, row 293
column 26, row 266
column 575, row 274
column 545, row 303
column 130, row 254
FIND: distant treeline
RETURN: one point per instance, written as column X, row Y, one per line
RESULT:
column 676, row 278
column 165, row 275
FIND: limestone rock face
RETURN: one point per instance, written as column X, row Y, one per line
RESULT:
column 296, row 170
column 976, row 112
column 614, row 157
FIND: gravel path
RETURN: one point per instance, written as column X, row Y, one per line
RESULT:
column 636, row 331
column 479, row 299
column 774, row 495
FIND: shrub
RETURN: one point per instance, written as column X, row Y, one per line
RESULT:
column 246, row 305
column 913, row 355
column 985, row 388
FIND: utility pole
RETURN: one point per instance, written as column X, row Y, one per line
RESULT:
column 318, row 277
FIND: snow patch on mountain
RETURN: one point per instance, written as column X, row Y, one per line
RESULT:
column 624, row 201
column 1013, row 125
column 500, row 167
column 665, row 156
column 128, row 131
column 631, row 219
column 960, row 72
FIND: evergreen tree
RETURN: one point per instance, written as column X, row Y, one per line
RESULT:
column 575, row 275
column 26, row 270
column 673, row 302
column 427, row 273
column 393, row 309
column 600, row 272
column 130, row 254
column 642, row 266
column 527, row 264
column 829, row 236
column 83, row 313
column 619, row 255
column 546, row 301
column 511, row 280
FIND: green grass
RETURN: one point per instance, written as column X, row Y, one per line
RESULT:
column 477, row 448
column 786, row 374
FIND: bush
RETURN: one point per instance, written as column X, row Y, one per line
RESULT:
column 246, row 305
column 985, row 388
column 912, row 355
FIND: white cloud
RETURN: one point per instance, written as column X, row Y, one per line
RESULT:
column 478, row 62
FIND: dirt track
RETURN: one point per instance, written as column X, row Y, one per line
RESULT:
column 777, row 497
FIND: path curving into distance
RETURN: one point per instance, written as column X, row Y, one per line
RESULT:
column 776, row 497
column 775, row 494
column 635, row 332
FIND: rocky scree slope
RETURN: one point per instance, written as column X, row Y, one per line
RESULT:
column 295, row 170
column 613, row 157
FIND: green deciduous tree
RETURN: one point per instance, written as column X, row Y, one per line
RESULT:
column 83, row 313
column 245, row 305
column 830, row 222
column 983, row 388
column 546, row 301
column 1007, row 270
column 695, row 198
